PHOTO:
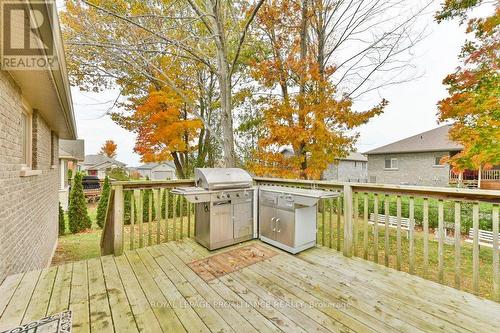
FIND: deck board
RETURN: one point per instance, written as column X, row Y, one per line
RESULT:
column 14, row 312
column 153, row 289
column 37, row 307
column 441, row 301
column 100, row 312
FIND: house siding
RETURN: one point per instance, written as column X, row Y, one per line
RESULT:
column 158, row 172
column 346, row 171
column 28, row 205
column 413, row 169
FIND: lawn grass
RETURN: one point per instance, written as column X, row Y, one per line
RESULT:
column 80, row 246
column 86, row 244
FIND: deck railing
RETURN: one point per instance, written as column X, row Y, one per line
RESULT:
column 142, row 213
column 346, row 224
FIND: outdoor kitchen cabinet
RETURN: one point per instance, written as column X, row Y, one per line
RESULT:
column 287, row 218
column 225, row 222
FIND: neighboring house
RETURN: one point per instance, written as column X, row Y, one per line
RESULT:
column 35, row 112
column 71, row 152
column 414, row 160
column 157, row 171
column 352, row 168
column 98, row 165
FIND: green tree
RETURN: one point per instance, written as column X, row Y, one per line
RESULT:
column 77, row 212
column 103, row 203
column 62, row 222
column 70, row 175
column 146, row 195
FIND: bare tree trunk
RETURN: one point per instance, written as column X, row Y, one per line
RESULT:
column 178, row 165
column 227, row 119
column 303, row 55
column 224, row 78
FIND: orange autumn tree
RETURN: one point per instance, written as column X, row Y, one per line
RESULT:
column 165, row 129
column 109, row 149
column 474, row 89
column 307, row 115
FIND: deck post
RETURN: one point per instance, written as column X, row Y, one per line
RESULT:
column 348, row 223
column 479, row 177
column 118, row 219
column 496, row 270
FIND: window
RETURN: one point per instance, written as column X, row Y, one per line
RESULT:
column 52, row 149
column 26, row 140
column 391, row 163
column 437, row 161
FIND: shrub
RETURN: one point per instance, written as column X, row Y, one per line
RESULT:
column 146, row 196
column 62, row 221
column 167, row 195
column 118, row 174
column 70, row 174
column 78, row 217
column 103, row 203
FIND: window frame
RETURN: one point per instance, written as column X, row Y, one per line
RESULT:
column 27, row 139
column 438, row 165
column 27, row 143
column 393, row 163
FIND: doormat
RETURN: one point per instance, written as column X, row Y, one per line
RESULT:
column 57, row 323
column 230, row 261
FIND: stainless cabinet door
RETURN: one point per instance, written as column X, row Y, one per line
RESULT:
column 243, row 219
column 285, row 227
column 221, row 223
column 266, row 221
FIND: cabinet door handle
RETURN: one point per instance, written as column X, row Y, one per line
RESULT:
column 277, row 225
column 273, row 225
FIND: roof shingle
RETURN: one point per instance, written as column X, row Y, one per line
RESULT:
column 434, row 140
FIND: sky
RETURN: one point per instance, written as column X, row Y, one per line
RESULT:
column 412, row 106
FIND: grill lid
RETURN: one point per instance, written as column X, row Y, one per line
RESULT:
column 222, row 178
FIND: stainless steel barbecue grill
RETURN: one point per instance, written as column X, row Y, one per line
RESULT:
column 224, row 206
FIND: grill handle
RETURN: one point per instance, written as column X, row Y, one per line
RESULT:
column 221, row 203
column 229, row 185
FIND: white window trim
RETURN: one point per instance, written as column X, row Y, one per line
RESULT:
column 392, row 159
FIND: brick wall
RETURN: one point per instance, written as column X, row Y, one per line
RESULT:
column 413, row 169
column 28, row 205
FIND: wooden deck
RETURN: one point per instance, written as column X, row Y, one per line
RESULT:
column 153, row 290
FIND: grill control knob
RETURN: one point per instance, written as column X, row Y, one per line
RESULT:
column 218, row 196
column 237, row 195
column 228, row 196
column 196, row 198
